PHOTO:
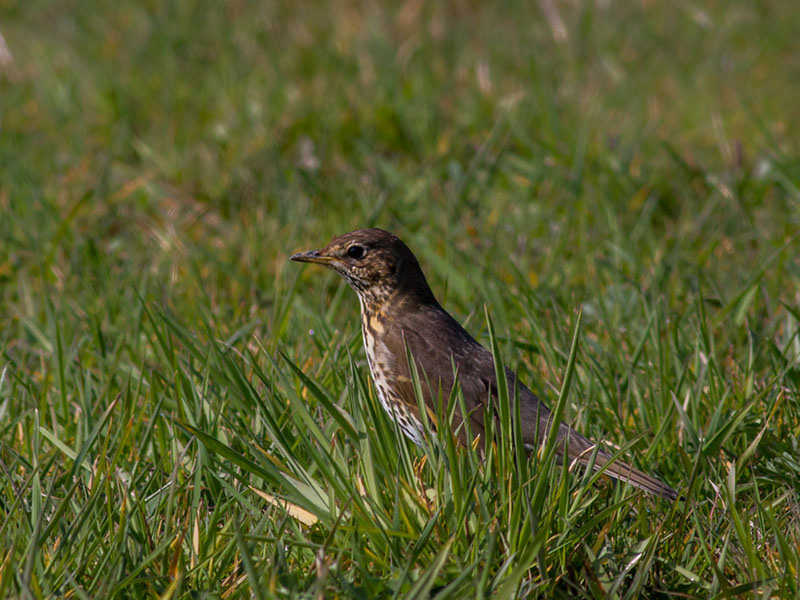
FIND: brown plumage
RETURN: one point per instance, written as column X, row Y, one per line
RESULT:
column 399, row 311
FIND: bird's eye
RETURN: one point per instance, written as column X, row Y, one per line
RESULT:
column 355, row 252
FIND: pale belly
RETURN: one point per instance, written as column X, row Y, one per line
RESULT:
column 377, row 358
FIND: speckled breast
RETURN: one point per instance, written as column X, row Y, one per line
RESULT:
column 379, row 359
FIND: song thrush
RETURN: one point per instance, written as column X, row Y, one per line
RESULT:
column 399, row 312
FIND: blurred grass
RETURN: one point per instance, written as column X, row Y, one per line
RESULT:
column 160, row 375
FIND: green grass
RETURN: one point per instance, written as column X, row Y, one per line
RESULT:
column 183, row 413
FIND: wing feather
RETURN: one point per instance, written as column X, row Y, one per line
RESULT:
column 437, row 343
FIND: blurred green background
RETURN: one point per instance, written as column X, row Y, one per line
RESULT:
column 165, row 158
column 219, row 137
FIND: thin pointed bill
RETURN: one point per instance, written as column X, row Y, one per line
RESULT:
column 311, row 256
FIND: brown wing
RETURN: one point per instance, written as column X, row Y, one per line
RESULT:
column 437, row 341
column 435, row 346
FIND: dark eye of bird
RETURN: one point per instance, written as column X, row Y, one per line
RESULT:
column 355, row 252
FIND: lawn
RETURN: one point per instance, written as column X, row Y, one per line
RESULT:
column 608, row 194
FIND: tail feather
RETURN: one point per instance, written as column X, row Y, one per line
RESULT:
column 625, row 472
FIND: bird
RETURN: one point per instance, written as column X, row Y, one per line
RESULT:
column 401, row 319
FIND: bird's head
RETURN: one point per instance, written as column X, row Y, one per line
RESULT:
column 376, row 264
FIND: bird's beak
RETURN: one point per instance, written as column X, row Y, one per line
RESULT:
column 311, row 256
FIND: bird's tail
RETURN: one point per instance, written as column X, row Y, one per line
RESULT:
column 624, row 472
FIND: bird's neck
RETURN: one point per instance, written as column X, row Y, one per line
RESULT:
column 404, row 289
column 390, row 301
column 376, row 299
